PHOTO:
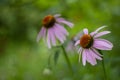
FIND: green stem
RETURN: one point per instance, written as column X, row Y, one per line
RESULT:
column 103, row 65
column 66, row 57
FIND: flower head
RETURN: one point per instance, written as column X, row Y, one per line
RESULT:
column 91, row 43
column 53, row 29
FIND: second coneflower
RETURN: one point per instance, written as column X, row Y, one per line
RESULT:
column 53, row 29
column 90, row 43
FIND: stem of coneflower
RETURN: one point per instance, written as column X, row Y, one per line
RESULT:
column 66, row 57
column 104, row 69
column 103, row 65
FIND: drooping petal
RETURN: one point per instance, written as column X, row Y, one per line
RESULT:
column 60, row 33
column 90, row 58
column 92, row 33
column 80, row 52
column 42, row 33
column 85, row 31
column 77, row 42
column 62, row 20
column 84, row 57
column 96, row 31
column 102, row 44
column 61, row 29
column 62, row 36
column 95, row 51
column 48, row 39
column 58, row 36
column 52, row 35
column 101, row 34
column 95, row 54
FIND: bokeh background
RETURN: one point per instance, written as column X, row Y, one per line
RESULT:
column 22, row 58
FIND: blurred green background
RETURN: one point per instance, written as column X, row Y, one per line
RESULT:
column 22, row 58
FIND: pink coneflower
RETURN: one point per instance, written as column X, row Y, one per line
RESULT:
column 53, row 29
column 91, row 43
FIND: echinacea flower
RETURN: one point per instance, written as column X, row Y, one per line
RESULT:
column 53, row 29
column 91, row 43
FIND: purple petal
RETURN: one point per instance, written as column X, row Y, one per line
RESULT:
column 96, row 31
column 92, row 33
column 90, row 58
column 80, row 51
column 62, row 20
column 85, row 31
column 62, row 29
column 95, row 51
column 102, row 44
column 78, row 36
column 42, row 33
column 95, row 54
column 84, row 57
column 48, row 39
column 53, row 40
column 101, row 34
column 60, row 37
column 77, row 42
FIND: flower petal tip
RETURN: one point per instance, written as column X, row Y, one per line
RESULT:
column 85, row 30
column 57, row 15
column 93, row 64
column 77, row 42
column 84, row 64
